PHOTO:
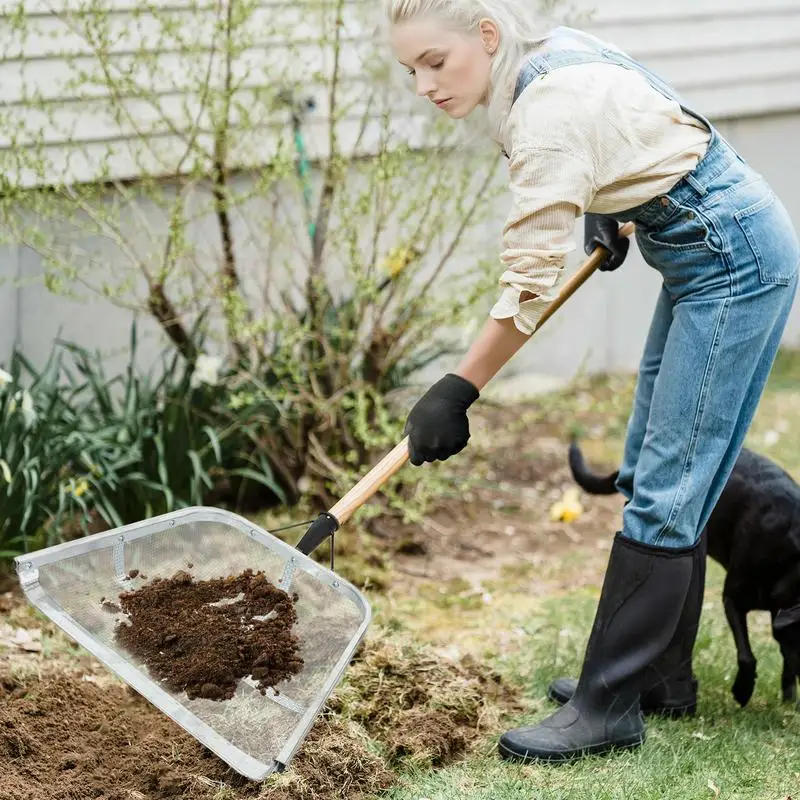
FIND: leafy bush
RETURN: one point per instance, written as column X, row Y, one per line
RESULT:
column 325, row 279
column 80, row 451
column 323, row 285
column 35, row 422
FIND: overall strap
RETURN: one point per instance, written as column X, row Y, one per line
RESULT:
column 561, row 52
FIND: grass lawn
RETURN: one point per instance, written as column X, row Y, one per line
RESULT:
column 725, row 751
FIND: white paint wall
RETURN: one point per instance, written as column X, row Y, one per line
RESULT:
column 732, row 60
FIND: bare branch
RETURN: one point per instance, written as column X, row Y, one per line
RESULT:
column 454, row 242
column 169, row 319
column 330, row 176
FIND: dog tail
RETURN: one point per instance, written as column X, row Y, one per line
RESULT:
column 585, row 478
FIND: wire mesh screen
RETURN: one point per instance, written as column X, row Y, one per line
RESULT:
column 209, row 544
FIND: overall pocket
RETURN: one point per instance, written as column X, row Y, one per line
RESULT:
column 684, row 230
column 772, row 238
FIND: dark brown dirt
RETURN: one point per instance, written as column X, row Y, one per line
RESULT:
column 496, row 511
column 66, row 739
column 202, row 637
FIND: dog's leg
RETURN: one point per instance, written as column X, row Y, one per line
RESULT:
column 789, row 675
column 784, row 624
column 746, row 676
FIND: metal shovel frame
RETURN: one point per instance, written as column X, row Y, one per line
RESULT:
column 28, row 568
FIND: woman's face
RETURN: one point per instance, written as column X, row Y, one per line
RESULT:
column 449, row 68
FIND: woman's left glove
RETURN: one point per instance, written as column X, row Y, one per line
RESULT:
column 604, row 232
column 437, row 426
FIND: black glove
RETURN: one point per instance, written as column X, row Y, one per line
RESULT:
column 437, row 425
column 604, row 231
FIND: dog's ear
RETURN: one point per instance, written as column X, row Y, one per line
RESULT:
column 784, row 619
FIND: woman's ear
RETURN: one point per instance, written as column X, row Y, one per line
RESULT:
column 490, row 35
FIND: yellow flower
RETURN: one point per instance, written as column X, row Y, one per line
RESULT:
column 80, row 488
column 399, row 258
column 568, row 508
column 4, row 469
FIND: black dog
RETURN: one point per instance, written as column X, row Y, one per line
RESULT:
column 754, row 533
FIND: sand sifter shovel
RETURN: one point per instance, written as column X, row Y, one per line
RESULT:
column 257, row 731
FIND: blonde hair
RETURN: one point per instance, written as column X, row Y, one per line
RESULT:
column 521, row 30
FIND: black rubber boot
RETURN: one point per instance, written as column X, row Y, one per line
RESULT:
column 641, row 602
column 669, row 687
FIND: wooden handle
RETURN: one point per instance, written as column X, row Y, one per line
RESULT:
column 392, row 462
column 370, row 483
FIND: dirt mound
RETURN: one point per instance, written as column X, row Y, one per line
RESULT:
column 67, row 739
column 203, row 636
column 71, row 736
column 422, row 707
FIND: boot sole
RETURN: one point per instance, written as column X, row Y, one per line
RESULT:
column 670, row 712
column 571, row 755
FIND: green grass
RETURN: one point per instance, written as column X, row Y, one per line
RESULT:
column 596, row 409
column 725, row 751
column 777, row 424
column 785, row 373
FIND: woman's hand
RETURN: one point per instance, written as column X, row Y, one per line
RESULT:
column 437, row 426
column 604, row 232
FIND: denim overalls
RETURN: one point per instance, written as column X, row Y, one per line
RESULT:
column 728, row 255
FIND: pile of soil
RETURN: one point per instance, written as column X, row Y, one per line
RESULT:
column 423, row 708
column 202, row 637
column 63, row 738
column 69, row 731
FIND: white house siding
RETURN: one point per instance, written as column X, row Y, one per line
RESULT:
column 44, row 87
column 737, row 63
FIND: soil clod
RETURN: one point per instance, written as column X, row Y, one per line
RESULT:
column 202, row 637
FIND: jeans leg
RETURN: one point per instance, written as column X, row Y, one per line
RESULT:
column 648, row 370
column 758, row 381
column 716, row 360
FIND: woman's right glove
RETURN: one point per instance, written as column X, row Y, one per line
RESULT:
column 437, row 426
column 604, row 231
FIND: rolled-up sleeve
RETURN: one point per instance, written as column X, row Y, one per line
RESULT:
column 550, row 188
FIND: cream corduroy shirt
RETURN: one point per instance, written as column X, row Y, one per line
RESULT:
column 583, row 138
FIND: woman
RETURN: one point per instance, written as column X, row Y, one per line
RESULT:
column 589, row 131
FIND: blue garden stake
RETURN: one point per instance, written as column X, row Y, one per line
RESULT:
column 303, row 166
column 303, row 170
